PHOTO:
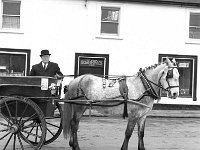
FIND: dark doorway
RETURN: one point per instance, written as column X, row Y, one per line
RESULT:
column 87, row 63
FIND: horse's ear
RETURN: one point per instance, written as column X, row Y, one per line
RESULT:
column 174, row 62
column 167, row 61
column 170, row 63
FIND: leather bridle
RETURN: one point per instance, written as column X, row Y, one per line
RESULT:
column 147, row 83
column 170, row 75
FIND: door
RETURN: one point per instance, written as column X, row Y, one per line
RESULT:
column 96, row 64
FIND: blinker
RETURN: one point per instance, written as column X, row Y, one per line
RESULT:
column 169, row 74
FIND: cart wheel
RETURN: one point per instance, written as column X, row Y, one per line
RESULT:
column 54, row 125
column 18, row 124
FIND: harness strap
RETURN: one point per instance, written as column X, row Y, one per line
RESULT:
column 149, row 89
column 123, row 88
column 80, row 91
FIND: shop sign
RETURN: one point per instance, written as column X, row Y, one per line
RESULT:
column 91, row 62
column 184, row 65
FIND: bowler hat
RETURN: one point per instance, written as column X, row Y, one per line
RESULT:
column 45, row 52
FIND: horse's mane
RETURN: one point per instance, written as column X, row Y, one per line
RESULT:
column 152, row 67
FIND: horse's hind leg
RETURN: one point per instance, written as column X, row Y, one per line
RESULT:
column 73, row 135
column 77, row 115
column 141, row 126
column 128, row 133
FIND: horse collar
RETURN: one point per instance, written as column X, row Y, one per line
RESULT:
column 147, row 84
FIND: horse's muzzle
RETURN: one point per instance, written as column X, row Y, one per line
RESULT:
column 173, row 95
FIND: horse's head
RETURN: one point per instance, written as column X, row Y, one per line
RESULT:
column 169, row 78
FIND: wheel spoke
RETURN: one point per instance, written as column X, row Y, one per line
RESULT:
column 14, row 141
column 3, row 124
column 36, row 132
column 20, row 141
column 16, row 110
column 8, row 110
column 8, row 142
column 23, row 112
column 4, row 135
column 31, row 134
column 32, row 124
column 27, row 141
column 50, row 132
column 2, row 116
column 30, row 118
column 4, row 130
column 53, row 125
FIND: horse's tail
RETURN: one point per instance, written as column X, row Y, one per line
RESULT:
column 67, row 117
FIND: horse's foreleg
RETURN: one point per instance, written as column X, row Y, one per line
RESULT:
column 128, row 133
column 141, row 126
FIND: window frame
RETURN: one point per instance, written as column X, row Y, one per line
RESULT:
column 25, row 52
column 115, row 6
column 11, row 30
column 188, row 39
column 116, row 23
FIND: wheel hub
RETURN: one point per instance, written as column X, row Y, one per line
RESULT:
column 14, row 128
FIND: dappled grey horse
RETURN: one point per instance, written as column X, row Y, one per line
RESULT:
column 134, row 95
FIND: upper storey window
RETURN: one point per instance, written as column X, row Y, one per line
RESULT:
column 110, row 20
column 194, row 25
column 11, row 14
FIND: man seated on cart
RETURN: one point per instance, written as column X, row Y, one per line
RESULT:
column 45, row 67
column 49, row 69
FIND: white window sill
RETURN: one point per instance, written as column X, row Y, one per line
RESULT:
column 192, row 41
column 11, row 31
column 113, row 37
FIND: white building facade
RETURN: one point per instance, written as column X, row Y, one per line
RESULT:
column 120, row 37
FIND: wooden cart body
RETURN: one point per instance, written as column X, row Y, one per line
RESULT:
column 33, row 87
column 27, row 111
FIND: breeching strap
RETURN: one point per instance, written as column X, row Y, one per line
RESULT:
column 123, row 88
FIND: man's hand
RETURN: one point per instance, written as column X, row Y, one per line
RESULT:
column 57, row 76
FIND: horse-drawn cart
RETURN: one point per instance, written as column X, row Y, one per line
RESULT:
column 29, row 114
column 29, row 106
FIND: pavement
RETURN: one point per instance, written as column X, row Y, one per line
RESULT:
column 175, row 113
column 163, row 111
column 105, row 133
column 158, row 113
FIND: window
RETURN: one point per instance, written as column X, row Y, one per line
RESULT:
column 110, row 20
column 11, row 14
column 187, row 67
column 194, row 25
column 14, row 62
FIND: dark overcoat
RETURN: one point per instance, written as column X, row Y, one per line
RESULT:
column 51, row 70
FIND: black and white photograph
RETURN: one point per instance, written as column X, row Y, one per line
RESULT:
column 99, row 75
